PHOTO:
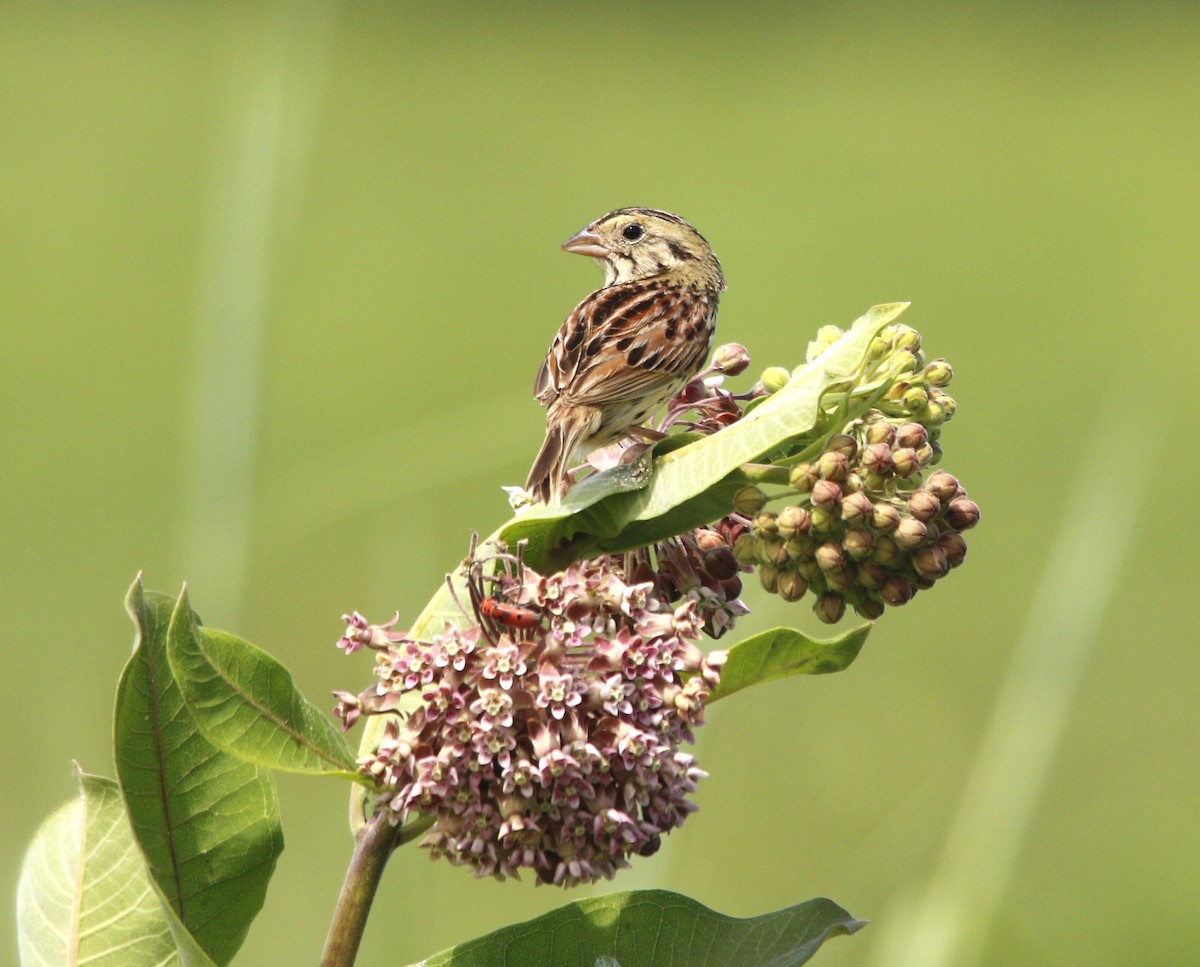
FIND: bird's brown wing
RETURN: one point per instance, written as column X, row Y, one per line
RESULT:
column 624, row 340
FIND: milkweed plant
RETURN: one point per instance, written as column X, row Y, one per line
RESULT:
column 534, row 721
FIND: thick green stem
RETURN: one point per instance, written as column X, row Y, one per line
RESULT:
column 372, row 847
column 760, row 473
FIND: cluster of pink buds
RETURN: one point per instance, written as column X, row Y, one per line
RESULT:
column 868, row 522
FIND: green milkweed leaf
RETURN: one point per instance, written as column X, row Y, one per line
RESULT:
column 648, row 927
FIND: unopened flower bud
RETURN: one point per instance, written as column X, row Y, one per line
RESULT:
column 924, row 454
column 792, row 586
column 915, row 398
column 932, row 414
column 884, row 517
column 910, row 533
column 930, row 562
column 826, row 337
column 830, row 556
column 881, row 432
column 823, row 519
column 939, row 373
column 852, row 484
column 949, row 406
column 877, row 459
column 904, row 462
column 857, row 508
column 911, row 435
column 799, row 548
column 868, row 574
column 896, row 590
column 924, row 506
column 793, row 520
column 953, row 546
column 859, row 543
column 874, row 483
column 768, row 574
column 942, row 485
column 731, row 359
column 878, row 349
column 745, row 551
column 802, row 477
column 844, row 444
column 765, row 524
column 841, row 580
column 811, row 571
column 907, row 338
column 869, row 608
column 887, row 552
column 775, row 378
column 765, row 546
column 749, row 500
column 962, row 514
column 776, row 550
column 904, row 362
column 832, row 465
column 937, row 453
column 920, row 581
column 830, row 607
column 651, row 846
column 826, row 494
column 720, row 563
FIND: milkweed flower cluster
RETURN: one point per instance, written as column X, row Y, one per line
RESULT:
column 550, row 726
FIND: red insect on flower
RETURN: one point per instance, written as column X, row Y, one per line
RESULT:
column 508, row 614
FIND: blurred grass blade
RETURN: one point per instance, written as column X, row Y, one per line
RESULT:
column 207, row 823
column 692, row 484
column 85, row 896
column 656, row 927
column 241, row 221
column 245, row 702
column 783, row 652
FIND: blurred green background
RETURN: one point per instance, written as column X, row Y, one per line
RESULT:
column 275, row 283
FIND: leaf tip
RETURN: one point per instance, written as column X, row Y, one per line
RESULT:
column 135, row 595
column 182, row 615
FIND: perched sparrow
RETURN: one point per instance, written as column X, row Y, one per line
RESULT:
column 630, row 346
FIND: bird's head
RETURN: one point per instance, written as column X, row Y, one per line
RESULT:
column 632, row 244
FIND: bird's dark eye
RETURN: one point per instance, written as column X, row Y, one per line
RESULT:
column 632, row 232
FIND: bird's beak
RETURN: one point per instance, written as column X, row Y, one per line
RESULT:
column 586, row 242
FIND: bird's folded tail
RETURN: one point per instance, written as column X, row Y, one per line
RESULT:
column 546, row 474
column 549, row 470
